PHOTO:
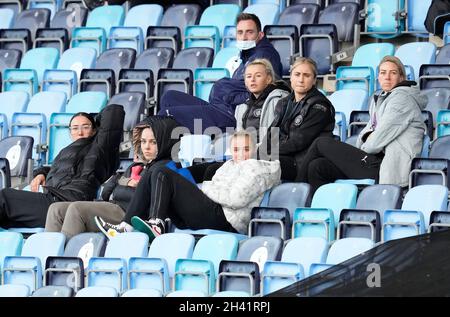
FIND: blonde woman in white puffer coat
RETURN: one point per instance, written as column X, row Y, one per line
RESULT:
column 224, row 203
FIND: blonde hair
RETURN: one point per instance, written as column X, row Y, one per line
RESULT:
column 305, row 60
column 397, row 62
column 267, row 66
column 245, row 133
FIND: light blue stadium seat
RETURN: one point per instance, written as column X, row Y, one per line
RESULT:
column 227, row 57
column 60, row 80
column 446, row 33
column 280, row 3
column 194, row 146
column 40, row 59
column 10, row 102
column 27, row 269
column 142, row 292
column 97, row 291
column 202, row 36
column 88, row 101
column 326, row 205
column 220, row 15
column 35, row 121
column 231, row 294
column 186, row 293
column 53, row 5
column 229, row 36
column 111, row 270
column 77, row 59
column 267, row 13
column 364, row 181
column 346, row 248
column 295, row 262
column 106, row 17
column 135, row 26
column 371, row 54
column 399, row 224
column 13, row 290
column 199, row 273
column 415, row 20
column 11, row 244
column 347, row 100
column 155, row 271
column 85, row 37
column 6, row 18
column 443, row 123
column 415, row 54
column 382, row 21
column 355, row 77
column 59, row 134
column 20, row 80
column 204, row 79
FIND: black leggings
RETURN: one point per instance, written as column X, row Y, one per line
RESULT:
column 20, row 208
column 174, row 197
column 328, row 160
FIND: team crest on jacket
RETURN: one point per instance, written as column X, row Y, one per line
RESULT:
column 257, row 113
column 298, row 120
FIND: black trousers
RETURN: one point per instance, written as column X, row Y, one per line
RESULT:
column 328, row 160
column 20, row 208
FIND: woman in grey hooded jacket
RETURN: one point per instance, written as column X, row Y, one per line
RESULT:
column 388, row 143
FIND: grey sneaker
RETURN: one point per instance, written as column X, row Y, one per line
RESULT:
column 108, row 229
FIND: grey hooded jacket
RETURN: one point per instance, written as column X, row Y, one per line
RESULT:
column 398, row 132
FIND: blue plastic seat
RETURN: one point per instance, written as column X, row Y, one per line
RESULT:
column 199, row 273
column 434, row 76
column 9, row 59
column 59, row 134
column 155, row 271
column 193, row 58
column 228, row 58
column 371, row 54
column 443, row 56
column 69, row 18
column 267, row 13
column 89, row 37
column 202, row 36
column 446, row 33
column 6, row 18
column 106, row 17
column 27, row 269
column 443, row 123
column 111, row 270
column 229, row 36
column 77, row 59
column 284, row 39
column 135, row 26
column 164, row 37
column 11, row 102
column 142, row 293
column 18, row 151
column 348, row 100
column 90, row 101
column 60, row 80
column 355, row 77
column 344, row 16
column 35, row 121
column 52, row 5
column 381, row 19
column 289, row 196
column 133, row 104
column 415, row 54
column 11, row 244
column 415, row 20
column 97, row 291
column 204, row 79
column 281, row 4
column 243, row 274
column 306, row 13
column 327, row 203
column 347, row 248
column 40, row 59
column 181, row 15
column 68, row 270
column 295, row 262
column 14, row 290
column 270, row 221
column 155, row 59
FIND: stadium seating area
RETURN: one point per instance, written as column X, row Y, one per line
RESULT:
column 57, row 58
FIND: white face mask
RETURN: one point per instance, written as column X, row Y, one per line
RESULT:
column 245, row 45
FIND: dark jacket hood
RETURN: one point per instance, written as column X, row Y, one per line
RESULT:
column 162, row 127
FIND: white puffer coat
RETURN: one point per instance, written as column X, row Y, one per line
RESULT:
column 239, row 187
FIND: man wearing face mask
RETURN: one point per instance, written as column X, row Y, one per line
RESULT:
column 226, row 93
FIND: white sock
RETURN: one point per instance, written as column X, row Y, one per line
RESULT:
column 126, row 226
